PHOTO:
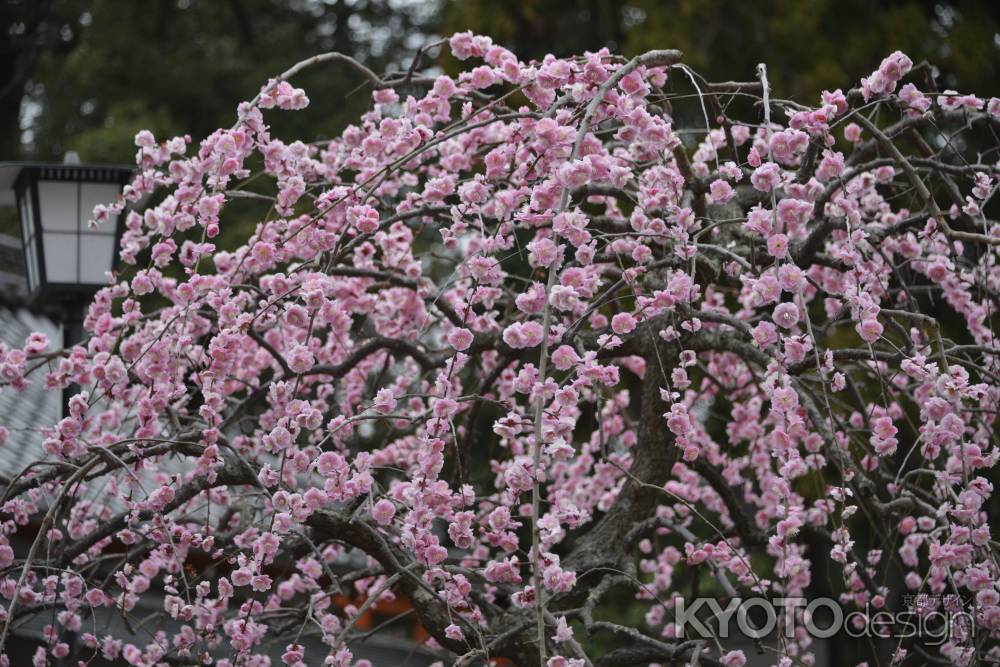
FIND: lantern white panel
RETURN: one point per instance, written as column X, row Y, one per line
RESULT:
column 92, row 194
column 60, row 256
column 59, row 204
column 96, row 257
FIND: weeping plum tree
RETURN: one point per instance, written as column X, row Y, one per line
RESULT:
column 530, row 348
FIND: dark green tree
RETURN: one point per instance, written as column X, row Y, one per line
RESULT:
column 808, row 44
column 30, row 29
column 87, row 74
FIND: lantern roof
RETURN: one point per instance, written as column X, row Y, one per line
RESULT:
column 9, row 172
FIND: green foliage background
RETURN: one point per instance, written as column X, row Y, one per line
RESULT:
column 808, row 44
column 85, row 75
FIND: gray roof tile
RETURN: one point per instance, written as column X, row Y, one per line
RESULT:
column 24, row 413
